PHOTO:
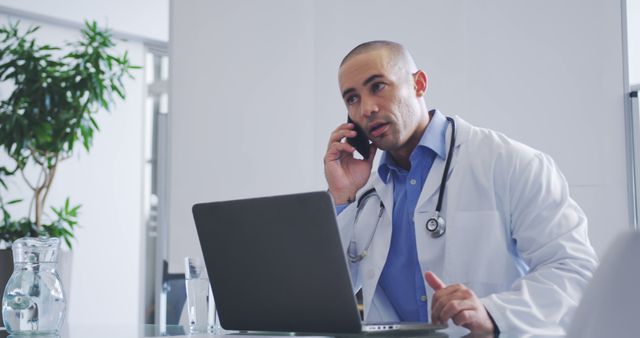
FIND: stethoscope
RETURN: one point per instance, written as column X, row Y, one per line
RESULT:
column 436, row 224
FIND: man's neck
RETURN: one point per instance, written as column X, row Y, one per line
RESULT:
column 402, row 155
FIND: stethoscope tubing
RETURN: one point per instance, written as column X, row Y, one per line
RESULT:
column 436, row 231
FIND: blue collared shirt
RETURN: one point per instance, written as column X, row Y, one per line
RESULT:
column 402, row 279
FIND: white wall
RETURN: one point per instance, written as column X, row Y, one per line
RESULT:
column 107, row 270
column 254, row 91
column 144, row 18
column 633, row 32
column 553, row 85
column 240, row 114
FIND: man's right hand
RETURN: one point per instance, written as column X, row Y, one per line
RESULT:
column 345, row 174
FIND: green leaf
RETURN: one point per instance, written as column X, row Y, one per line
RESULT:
column 117, row 90
column 74, row 211
column 93, row 123
column 49, row 109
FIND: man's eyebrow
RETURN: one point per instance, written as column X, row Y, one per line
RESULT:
column 371, row 78
column 347, row 92
column 366, row 82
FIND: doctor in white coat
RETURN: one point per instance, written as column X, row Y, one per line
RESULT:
column 514, row 255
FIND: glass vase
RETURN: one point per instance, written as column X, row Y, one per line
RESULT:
column 33, row 302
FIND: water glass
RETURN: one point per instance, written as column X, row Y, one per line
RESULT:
column 201, row 307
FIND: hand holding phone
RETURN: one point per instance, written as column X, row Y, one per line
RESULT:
column 360, row 141
column 346, row 174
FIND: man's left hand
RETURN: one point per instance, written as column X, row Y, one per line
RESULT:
column 459, row 303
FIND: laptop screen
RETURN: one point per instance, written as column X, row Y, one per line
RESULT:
column 277, row 264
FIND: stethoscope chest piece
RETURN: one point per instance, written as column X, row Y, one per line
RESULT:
column 436, row 225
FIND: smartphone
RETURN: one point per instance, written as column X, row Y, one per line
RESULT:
column 360, row 141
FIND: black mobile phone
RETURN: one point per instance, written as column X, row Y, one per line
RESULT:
column 360, row 141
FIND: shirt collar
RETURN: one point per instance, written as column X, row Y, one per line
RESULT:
column 433, row 138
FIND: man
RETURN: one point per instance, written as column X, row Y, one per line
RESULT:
column 515, row 246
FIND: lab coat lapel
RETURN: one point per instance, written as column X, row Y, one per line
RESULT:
column 433, row 254
column 432, row 185
column 372, row 265
column 434, row 178
column 385, row 191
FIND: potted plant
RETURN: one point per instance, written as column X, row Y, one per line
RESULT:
column 55, row 94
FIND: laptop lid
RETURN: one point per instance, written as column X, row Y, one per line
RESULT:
column 277, row 264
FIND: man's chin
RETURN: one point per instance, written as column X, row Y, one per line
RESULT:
column 384, row 146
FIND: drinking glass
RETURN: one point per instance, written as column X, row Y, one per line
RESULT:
column 201, row 308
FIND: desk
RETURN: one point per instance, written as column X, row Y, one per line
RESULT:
column 141, row 331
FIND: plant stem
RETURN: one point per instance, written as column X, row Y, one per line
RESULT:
column 38, row 206
column 48, row 182
column 26, row 179
column 33, row 188
column 38, row 192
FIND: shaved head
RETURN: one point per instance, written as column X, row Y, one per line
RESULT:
column 383, row 91
column 399, row 54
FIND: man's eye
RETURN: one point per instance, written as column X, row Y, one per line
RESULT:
column 378, row 86
column 351, row 99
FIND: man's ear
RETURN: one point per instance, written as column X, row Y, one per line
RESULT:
column 420, row 81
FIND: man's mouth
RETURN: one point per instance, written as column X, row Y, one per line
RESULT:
column 377, row 129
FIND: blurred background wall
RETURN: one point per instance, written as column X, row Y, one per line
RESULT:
column 254, row 91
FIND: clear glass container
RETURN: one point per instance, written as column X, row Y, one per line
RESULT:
column 33, row 302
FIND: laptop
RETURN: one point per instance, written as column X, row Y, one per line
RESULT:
column 277, row 264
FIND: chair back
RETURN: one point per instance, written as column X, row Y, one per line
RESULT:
column 174, row 286
column 609, row 307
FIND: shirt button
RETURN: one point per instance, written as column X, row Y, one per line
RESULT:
column 413, row 182
column 423, row 298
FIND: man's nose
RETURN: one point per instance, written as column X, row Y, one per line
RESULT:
column 368, row 107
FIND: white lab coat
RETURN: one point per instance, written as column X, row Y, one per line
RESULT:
column 514, row 235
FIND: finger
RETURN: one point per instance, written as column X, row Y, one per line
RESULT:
column 453, row 308
column 444, row 296
column 464, row 318
column 338, row 135
column 434, row 282
column 345, row 128
column 337, row 151
column 440, row 297
column 346, row 125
